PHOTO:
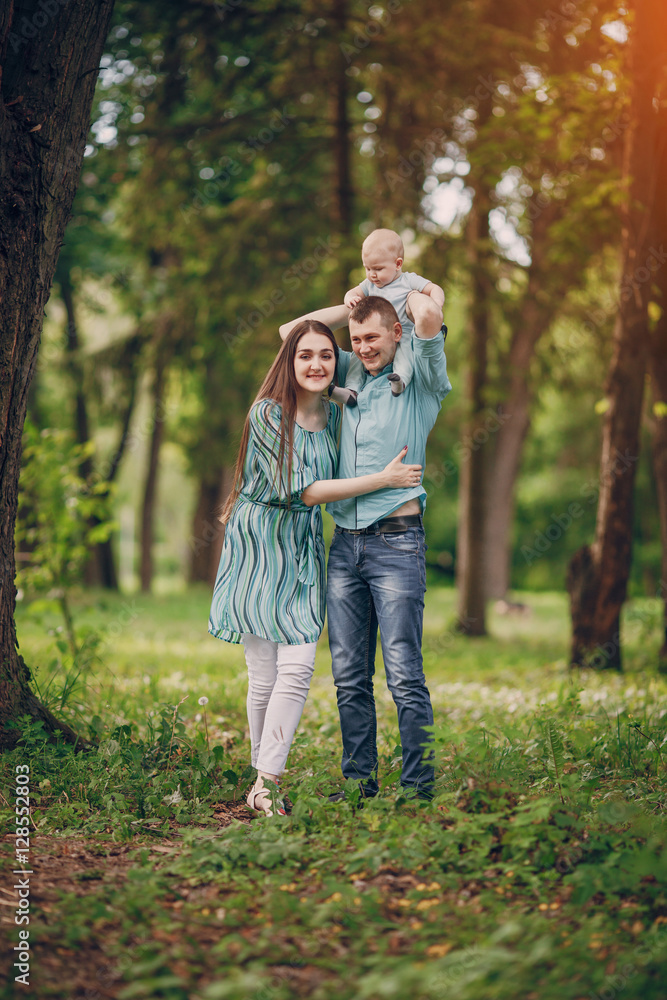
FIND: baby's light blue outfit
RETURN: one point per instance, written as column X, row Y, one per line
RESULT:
column 395, row 292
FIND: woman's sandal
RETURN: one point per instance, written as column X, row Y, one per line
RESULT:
column 252, row 801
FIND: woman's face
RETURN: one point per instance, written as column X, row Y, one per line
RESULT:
column 314, row 363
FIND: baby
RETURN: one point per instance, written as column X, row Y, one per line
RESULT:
column 382, row 257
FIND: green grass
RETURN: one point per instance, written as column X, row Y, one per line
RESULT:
column 538, row 872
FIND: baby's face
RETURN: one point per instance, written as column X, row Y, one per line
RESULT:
column 381, row 266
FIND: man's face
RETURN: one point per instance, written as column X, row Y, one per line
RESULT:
column 374, row 343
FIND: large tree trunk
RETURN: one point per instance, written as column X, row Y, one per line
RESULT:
column 658, row 371
column 598, row 575
column 470, row 558
column 46, row 93
column 207, row 531
column 658, row 374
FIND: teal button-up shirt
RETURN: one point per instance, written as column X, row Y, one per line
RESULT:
column 375, row 430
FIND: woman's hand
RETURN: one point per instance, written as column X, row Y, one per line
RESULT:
column 400, row 476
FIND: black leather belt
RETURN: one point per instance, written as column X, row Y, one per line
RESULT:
column 388, row 524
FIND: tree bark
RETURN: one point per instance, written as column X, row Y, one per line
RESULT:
column 46, row 93
column 348, row 254
column 509, row 424
column 75, row 369
column 150, row 486
column 474, row 458
column 101, row 567
column 598, row 575
column 658, row 373
column 658, row 377
column 207, row 531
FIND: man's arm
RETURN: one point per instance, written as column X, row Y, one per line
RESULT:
column 425, row 314
column 332, row 316
column 436, row 293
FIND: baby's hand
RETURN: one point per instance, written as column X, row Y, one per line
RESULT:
column 352, row 298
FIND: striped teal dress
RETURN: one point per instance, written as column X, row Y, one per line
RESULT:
column 271, row 577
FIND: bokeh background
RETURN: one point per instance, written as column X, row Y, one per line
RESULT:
column 239, row 153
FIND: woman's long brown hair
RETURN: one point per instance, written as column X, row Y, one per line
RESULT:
column 281, row 386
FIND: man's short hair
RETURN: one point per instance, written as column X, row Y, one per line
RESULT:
column 374, row 305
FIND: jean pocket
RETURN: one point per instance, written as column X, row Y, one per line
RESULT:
column 401, row 541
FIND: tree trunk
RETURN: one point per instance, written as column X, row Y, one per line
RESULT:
column 101, row 568
column 75, row 369
column 348, row 254
column 475, row 455
column 502, row 477
column 658, row 375
column 509, row 425
column 150, row 487
column 46, row 93
column 598, row 575
column 207, row 531
column 658, row 371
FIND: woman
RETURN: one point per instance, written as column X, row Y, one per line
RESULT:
column 269, row 592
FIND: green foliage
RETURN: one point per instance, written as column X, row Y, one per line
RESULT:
column 498, row 888
column 60, row 515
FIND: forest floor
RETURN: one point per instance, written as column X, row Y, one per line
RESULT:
column 537, row 873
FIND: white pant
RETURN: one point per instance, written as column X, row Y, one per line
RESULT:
column 278, row 681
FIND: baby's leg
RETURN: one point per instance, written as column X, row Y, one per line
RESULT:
column 401, row 376
column 347, row 394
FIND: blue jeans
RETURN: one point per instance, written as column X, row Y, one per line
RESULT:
column 379, row 579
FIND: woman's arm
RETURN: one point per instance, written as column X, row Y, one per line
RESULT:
column 396, row 475
column 332, row 316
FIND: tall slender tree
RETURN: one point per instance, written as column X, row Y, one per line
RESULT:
column 598, row 574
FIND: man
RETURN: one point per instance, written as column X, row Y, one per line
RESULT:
column 376, row 570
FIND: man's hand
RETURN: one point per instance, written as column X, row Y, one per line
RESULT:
column 436, row 293
column 425, row 314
